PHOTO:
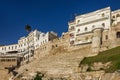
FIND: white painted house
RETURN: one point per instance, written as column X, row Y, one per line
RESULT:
column 27, row 45
column 83, row 29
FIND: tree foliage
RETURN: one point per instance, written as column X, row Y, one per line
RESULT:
column 28, row 28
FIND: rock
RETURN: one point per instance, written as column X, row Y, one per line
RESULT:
column 84, row 68
column 100, row 65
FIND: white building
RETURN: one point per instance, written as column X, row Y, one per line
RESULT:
column 27, row 45
column 83, row 27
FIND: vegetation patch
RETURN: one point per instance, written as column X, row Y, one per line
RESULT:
column 112, row 55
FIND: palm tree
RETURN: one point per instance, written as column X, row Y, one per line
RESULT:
column 28, row 29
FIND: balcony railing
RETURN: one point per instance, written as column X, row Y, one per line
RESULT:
column 91, row 21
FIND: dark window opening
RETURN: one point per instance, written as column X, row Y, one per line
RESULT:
column 71, row 35
column 56, row 45
column 118, row 34
column 93, row 26
column 113, row 16
column 103, row 15
column 78, row 30
column 85, row 28
column 118, row 15
column 101, row 41
column 106, row 37
column 103, row 24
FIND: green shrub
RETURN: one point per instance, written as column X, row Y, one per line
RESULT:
column 112, row 55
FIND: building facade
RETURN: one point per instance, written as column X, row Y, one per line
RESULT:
column 94, row 28
column 27, row 45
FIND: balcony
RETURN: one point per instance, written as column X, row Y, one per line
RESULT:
column 83, row 42
column 90, row 30
column 92, row 21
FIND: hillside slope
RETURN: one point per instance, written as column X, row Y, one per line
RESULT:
column 58, row 63
column 112, row 55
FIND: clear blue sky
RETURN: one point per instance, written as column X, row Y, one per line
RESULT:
column 44, row 15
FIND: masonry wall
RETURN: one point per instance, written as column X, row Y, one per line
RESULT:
column 49, row 47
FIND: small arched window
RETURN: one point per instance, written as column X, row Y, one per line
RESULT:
column 78, row 30
column 106, row 37
column 113, row 16
column 93, row 26
column 71, row 35
column 72, row 28
column 103, row 15
column 118, row 15
column 85, row 28
column 118, row 34
column 78, row 21
column 103, row 24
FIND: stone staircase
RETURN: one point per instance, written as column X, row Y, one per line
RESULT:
column 58, row 64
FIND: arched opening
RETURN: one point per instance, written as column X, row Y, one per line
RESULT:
column 86, row 29
column 103, row 15
column 113, row 17
column 106, row 37
column 103, row 24
column 118, row 34
column 78, row 30
column 93, row 26
column 118, row 15
column 78, row 21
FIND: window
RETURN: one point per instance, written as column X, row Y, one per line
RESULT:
column 106, row 37
column 78, row 21
column 103, row 24
column 72, row 28
column 113, row 16
column 15, row 47
column 118, row 34
column 72, row 42
column 45, row 40
column 86, row 38
column 43, row 35
column 12, row 47
column 118, row 15
column 93, row 26
column 85, row 28
column 103, row 15
column 78, row 30
column 21, row 45
column 56, row 45
column 71, row 35
column 38, row 37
